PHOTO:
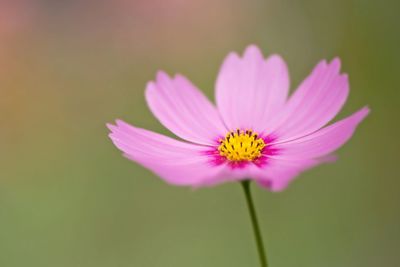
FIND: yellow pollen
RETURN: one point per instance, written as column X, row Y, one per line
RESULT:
column 241, row 145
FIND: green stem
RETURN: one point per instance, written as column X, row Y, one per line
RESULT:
column 256, row 229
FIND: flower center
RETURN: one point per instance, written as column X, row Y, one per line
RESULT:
column 241, row 145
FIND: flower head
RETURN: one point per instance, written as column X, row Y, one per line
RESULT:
column 255, row 131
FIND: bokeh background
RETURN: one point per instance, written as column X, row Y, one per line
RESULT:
column 69, row 199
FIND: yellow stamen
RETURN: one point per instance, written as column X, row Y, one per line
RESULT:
column 241, row 146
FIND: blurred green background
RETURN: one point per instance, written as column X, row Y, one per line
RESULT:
column 69, row 199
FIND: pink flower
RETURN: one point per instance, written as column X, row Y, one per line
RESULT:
column 254, row 132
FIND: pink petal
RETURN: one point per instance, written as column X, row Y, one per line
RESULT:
column 279, row 173
column 278, row 177
column 183, row 109
column 174, row 161
column 317, row 100
column 229, row 174
column 250, row 91
column 274, row 176
column 297, row 156
column 324, row 141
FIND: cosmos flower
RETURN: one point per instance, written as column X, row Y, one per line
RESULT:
column 255, row 131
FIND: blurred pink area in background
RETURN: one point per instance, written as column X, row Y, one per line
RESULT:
column 15, row 16
column 163, row 28
column 16, row 22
